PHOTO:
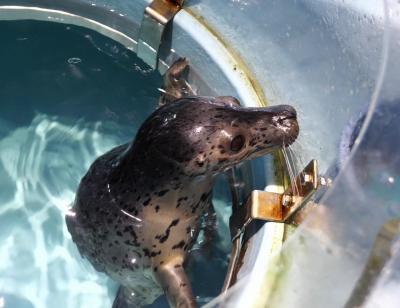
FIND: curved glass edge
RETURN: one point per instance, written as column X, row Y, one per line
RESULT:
column 51, row 15
column 123, row 16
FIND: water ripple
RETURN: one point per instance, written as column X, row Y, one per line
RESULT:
column 40, row 167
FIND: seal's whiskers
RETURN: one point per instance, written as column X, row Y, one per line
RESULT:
column 294, row 163
column 294, row 160
column 299, row 162
column 290, row 170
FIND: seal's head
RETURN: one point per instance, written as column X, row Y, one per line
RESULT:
column 208, row 135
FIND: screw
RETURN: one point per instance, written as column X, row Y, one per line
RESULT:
column 325, row 181
column 287, row 200
column 307, row 178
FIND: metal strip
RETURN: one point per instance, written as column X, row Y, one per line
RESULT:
column 155, row 19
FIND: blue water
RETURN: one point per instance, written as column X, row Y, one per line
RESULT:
column 67, row 95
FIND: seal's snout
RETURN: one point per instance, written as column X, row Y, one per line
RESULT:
column 284, row 120
column 285, row 112
column 289, row 112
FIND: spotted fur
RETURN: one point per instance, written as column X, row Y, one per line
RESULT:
column 138, row 208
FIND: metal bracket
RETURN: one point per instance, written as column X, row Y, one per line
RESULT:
column 155, row 19
column 278, row 207
column 269, row 206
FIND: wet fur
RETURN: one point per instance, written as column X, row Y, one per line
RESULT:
column 138, row 208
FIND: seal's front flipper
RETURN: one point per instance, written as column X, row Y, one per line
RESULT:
column 176, row 285
column 122, row 299
column 175, row 82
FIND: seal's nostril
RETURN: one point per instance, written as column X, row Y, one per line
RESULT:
column 291, row 114
column 284, row 112
column 287, row 117
column 288, row 112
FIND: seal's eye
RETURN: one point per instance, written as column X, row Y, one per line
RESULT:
column 237, row 143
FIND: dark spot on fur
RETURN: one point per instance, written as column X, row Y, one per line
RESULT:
column 157, row 208
column 146, row 252
column 174, row 223
column 204, row 196
column 162, row 192
column 146, row 202
column 253, row 142
column 163, row 237
column 155, row 253
column 179, row 245
column 177, row 265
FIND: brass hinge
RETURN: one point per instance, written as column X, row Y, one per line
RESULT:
column 156, row 17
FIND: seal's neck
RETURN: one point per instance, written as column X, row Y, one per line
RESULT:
column 153, row 170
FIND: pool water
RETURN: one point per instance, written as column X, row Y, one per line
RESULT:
column 67, row 95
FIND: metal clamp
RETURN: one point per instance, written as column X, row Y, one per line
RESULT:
column 156, row 17
column 269, row 206
column 278, row 207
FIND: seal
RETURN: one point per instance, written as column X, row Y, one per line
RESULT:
column 137, row 210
